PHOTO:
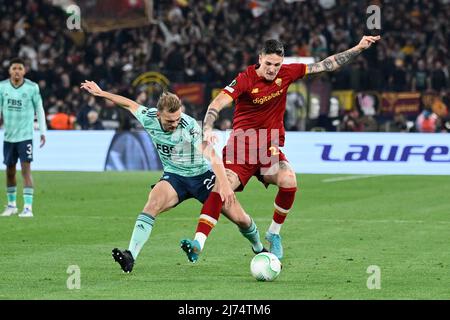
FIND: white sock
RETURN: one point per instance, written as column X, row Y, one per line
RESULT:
column 201, row 238
column 12, row 204
column 27, row 206
column 275, row 228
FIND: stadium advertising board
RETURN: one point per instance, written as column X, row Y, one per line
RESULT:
column 308, row 152
column 74, row 150
column 369, row 153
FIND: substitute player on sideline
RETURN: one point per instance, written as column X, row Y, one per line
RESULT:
column 260, row 98
column 20, row 100
column 178, row 139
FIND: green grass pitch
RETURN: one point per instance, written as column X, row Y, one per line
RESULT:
column 336, row 230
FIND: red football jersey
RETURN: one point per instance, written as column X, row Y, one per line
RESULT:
column 260, row 104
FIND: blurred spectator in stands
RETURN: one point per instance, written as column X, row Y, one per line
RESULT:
column 327, row 4
column 82, row 118
column 369, row 123
column 318, row 45
column 439, row 77
column 302, row 50
column 44, row 89
column 61, row 120
column 367, row 103
column 356, row 75
column 446, row 126
column 294, row 102
column 171, row 35
column 427, row 121
column 330, row 121
column 109, row 116
column 53, row 104
column 335, row 114
column 175, row 14
column 155, row 53
column 93, row 121
column 446, row 101
column 439, row 107
column 420, row 77
column 414, row 32
column 174, row 62
column 142, row 98
column 399, row 124
column 398, row 78
column 352, row 122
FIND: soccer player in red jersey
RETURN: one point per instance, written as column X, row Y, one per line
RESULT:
column 253, row 148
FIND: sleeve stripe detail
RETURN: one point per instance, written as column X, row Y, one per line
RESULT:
column 228, row 94
column 184, row 123
column 230, row 89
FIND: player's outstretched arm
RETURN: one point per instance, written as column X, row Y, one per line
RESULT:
column 94, row 89
column 221, row 101
column 336, row 61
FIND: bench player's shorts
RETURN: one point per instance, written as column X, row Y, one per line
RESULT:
column 12, row 151
column 246, row 166
column 198, row 187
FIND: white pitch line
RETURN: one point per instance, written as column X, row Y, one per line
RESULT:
column 351, row 178
column 374, row 221
column 190, row 219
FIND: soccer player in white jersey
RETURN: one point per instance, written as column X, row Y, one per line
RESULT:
column 20, row 101
column 178, row 140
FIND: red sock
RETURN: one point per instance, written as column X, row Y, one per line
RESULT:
column 283, row 203
column 210, row 213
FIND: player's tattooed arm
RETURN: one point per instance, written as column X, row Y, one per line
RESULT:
column 219, row 102
column 336, row 61
column 211, row 116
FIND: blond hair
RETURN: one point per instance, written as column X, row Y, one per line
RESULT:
column 168, row 102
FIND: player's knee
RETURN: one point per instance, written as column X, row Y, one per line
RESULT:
column 26, row 174
column 215, row 188
column 287, row 179
column 154, row 206
column 244, row 221
column 233, row 179
column 241, row 222
column 11, row 173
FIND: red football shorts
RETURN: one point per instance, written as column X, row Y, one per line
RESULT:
column 250, row 162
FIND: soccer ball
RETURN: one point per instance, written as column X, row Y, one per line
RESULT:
column 265, row 266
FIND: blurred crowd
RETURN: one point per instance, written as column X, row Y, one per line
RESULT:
column 211, row 41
